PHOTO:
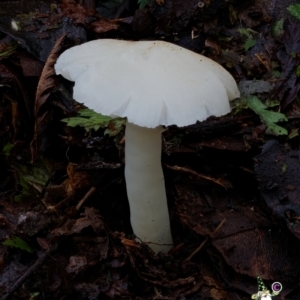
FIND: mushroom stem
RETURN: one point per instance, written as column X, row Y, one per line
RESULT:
column 146, row 187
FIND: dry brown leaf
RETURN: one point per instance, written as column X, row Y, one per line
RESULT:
column 87, row 17
column 76, row 264
column 104, row 25
column 78, row 13
column 46, row 83
column 76, row 180
column 90, row 218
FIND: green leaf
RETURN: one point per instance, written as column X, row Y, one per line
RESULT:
column 7, row 149
column 143, row 3
column 277, row 28
column 249, row 43
column 89, row 119
column 17, row 242
column 294, row 10
column 249, row 33
column 32, row 178
column 270, row 118
column 276, row 73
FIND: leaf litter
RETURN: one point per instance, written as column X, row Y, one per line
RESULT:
column 231, row 181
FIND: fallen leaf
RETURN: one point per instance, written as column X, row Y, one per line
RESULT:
column 76, row 264
column 104, row 25
column 91, row 218
column 47, row 82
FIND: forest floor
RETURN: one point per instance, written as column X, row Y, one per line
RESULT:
column 232, row 182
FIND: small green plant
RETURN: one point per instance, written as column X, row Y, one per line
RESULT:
column 89, row 119
column 249, row 33
column 277, row 28
column 294, row 10
column 268, row 117
column 16, row 242
column 31, row 177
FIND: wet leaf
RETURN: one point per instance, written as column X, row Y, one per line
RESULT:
column 294, row 10
column 17, row 242
column 270, row 118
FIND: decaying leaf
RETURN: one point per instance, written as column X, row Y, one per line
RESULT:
column 103, row 25
column 46, row 83
column 76, row 264
column 163, row 273
column 90, row 218
column 76, row 180
column 87, row 17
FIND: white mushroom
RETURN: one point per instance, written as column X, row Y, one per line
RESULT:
column 152, row 83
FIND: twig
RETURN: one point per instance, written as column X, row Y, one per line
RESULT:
column 28, row 273
column 220, row 181
column 204, row 242
column 86, row 196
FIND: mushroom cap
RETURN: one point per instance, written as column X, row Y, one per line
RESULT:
column 150, row 82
